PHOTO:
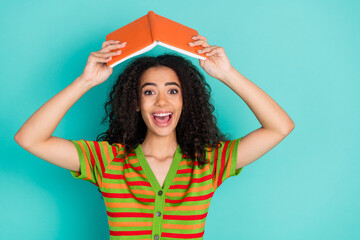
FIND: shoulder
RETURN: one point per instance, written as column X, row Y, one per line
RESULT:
column 217, row 146
column 118, row 148
column 110, row 150
column 221, row 148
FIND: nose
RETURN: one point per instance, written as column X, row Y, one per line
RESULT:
column 161, row 99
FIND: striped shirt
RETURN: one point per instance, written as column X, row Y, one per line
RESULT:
column 137, row 206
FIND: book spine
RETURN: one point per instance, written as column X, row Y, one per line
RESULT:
column 153, row 26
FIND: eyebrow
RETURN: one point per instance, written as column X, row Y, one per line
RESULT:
column 154, row 84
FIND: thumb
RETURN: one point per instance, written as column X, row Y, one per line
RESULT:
column 201, row 62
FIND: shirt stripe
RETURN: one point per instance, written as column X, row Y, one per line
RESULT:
column 137, row 206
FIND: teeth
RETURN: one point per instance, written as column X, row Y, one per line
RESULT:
column 161, row 114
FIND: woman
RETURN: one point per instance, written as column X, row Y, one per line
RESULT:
column 163, row 156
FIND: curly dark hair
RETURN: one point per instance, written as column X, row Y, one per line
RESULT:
column 197, row 127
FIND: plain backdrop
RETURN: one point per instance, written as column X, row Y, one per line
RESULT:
column 304, row 54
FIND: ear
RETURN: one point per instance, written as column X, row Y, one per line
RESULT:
column 137, row 109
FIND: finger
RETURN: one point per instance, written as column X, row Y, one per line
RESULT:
column 113, row 46
column 96, row 59
column 213, row 51
column 199, row 43
column 106, row 54
column 199, row 37
column 206, row 49
column 109, row 42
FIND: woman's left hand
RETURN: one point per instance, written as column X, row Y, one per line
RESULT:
column 217, row 63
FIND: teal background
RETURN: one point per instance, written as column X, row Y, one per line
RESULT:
column 304, row 54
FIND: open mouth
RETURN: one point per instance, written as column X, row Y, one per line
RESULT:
column 162, row 119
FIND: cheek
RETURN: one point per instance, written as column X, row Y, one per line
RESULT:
column 145, row 117
column 145, row 103
column 180, row 101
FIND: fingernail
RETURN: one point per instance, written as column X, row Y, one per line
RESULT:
column 193, row 37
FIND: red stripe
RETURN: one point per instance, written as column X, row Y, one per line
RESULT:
column 188, row 170
column 185, row 217
column 223, row 156
column 126, row 195
column 128, row 165
column 130, row 214
column 91, row 156
column 182, row 235
column 185, row 186
column 118, row 160
column 200, row 180
column 215, row 163
column 190, row 199
column 113, row 176
column 98, row 152
column 139, row 183
column 193, row 180
column 130, row 233
column 115, row 151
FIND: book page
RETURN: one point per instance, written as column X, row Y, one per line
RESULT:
column 144, row 50
column 181, row 50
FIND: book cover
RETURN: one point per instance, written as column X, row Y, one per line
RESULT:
column 150, row 30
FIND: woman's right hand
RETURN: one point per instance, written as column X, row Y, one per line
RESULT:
column 96, row 70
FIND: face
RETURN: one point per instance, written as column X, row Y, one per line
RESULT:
column 160, row 100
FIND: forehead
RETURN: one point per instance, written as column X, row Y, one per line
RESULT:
column 159, row 75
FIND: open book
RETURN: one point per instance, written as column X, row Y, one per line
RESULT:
column 146, row 32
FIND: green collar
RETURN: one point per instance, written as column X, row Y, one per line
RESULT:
column 149, row 173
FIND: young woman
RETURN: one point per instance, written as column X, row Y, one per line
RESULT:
column 163, row 156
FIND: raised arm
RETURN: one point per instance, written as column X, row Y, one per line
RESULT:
column 35, row 135
column 276, row 123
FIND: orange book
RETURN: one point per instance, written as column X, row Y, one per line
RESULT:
column 146, row 32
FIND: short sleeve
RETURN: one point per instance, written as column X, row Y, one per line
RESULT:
column 223, row 161
column 94, row 158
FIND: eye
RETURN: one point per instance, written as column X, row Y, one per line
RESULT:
column 148, row 92
column 173, row 91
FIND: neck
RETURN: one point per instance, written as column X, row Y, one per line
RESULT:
column 158, row 146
